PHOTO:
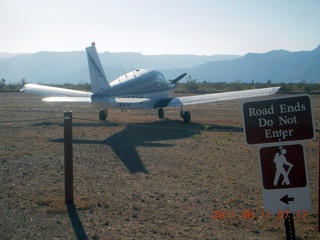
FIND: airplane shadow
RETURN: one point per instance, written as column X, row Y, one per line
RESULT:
column 218, row 128
column 125, row 142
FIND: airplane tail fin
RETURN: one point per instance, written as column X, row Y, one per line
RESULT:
column 97, row 76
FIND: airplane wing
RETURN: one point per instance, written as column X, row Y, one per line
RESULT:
column 68, row 99
column 89, row 100
column 54, row 92
column 216, row 97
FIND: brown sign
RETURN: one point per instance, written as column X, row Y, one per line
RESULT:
column 284, row 178
column 278, row 120
column 283, row 167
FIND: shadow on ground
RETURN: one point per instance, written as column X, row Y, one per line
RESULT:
column 76, row 223
column 152, row 134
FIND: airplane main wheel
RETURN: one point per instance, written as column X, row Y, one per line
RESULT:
column 103, row 115
column 160, row 113
column 186, row 117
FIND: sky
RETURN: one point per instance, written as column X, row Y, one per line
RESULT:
column 201, row 27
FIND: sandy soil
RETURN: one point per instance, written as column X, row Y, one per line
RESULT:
column 135, row 176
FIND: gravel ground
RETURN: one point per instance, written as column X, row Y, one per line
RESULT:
column 135, row 176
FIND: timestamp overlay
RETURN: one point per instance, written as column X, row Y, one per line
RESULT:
column 247, row 214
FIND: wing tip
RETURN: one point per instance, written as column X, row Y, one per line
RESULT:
column 274, row 90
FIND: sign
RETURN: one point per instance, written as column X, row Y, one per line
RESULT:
column 284, row 178
column 278, row 120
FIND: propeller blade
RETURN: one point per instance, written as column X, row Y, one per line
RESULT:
column 178, row 78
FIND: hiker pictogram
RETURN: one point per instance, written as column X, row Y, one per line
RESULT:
column 283, row 168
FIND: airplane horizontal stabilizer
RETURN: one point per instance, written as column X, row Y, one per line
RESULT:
column 122, row 100
column 217, row 97
column 131, row 100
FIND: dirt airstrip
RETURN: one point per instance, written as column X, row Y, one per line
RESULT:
column 137, row 177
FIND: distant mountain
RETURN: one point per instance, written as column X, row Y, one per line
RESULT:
column 5, row 55
column 277, row 66
column 71, row 67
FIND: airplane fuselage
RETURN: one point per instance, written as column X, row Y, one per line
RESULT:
column 142, row 83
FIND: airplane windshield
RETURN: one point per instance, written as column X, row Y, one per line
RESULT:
column 160, row 81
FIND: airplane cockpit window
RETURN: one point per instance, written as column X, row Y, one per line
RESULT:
column 162, row 80
column 158, row 81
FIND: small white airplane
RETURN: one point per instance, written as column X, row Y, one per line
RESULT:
column 138, row 89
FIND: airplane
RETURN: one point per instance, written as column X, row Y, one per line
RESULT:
column 139, row 89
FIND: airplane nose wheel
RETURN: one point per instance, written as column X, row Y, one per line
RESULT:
column 103, row 114
column 186, row 116
column 160, row 113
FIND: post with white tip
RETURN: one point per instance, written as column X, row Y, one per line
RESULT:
column 68, row 158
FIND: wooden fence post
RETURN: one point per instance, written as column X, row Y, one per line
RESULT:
column 68, row 158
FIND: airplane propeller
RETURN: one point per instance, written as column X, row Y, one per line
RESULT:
column 178, row 78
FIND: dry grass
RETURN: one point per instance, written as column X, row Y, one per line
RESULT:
column 56, row 204
column 135, row 176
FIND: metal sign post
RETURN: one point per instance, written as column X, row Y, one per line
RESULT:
column 289, row 224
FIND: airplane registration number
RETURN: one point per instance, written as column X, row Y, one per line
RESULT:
column 126, row 105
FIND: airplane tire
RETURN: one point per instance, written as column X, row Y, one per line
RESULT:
column 186, row 117
column 160, row 113
column 103, row 115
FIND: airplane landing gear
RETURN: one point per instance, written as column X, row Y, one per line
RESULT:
column 103, row 114
column 160, row 113
column 186, row 116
